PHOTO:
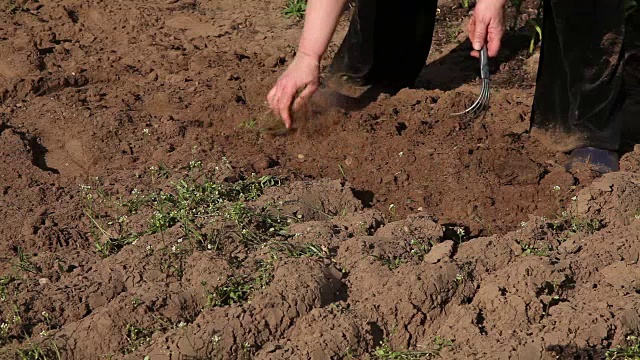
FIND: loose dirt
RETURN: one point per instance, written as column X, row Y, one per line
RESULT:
column 154, row 209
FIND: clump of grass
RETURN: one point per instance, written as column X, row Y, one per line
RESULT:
column 295, row 9
column 631, row 351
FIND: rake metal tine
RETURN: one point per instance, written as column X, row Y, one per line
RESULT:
column 483, row 100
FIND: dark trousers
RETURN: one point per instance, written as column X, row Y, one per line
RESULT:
column 580, row 89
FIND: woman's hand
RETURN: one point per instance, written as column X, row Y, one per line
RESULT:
column 487, row 26
column 320, row 22
column 303, row 73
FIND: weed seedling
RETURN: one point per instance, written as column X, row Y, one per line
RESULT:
column 391, row 262
column 136, row 337
column 295, row 9
column 238, row 288
column 25, row 264
column 37, row 352
column 420, row 248
column 534, row 250
column 536, row 33
column 385, row 352
column 629, row 352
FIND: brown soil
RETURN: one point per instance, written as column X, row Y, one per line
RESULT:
column 406, row 228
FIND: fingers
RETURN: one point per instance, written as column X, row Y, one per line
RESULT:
column 283, row 106
column 479, row 32
column 494, row 40
column 271, row 96
column 304, row 96
column 471, row 29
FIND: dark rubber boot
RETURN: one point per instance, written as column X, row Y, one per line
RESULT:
column 603, row 161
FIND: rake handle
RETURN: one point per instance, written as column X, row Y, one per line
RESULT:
column 484, row 63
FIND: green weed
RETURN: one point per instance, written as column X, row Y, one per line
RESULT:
column 249, row 124
column 205, row 210
column 419, row 248
column 629, row 352
column 391, row 262
column 25, row 264
column 237, row 289
column 300, row 250
column 137, row 337
column 295, row 9
column 385, row 352
column 38, row 352
column 528, row 249
column 536, row 33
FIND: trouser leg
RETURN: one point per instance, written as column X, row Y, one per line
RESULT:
column 579, row 85
column 631, row 76
column 387, row 43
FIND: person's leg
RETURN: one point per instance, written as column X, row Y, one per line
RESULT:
column 631, row 75
column 579, row 86
column 387, row 43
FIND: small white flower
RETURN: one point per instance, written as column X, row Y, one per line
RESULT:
column 153, row 168
column 544, row 218
column 575, row 198
column 565, row 214
column 556, row 188
column 179, row 240
column 45, row 314
column 216, row 339
column 84, row 187
column 523, row 224
column 401, row 153
column 182, row 324
column 459, row 231
column 637, row 216
column 392, row 207
column 145, row 131
column 43, row 333
column 174, row 248
column 149, row 248
column 135, row 192
column 209, row 246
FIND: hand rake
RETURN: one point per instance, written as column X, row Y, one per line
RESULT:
column 482, row 103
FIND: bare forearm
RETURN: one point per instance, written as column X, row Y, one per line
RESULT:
column 320, row 23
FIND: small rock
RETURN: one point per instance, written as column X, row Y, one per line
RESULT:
column 300, row 156
column 439, row 252
column 44, row 281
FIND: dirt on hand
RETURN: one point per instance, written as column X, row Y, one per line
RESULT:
column 153, row 208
